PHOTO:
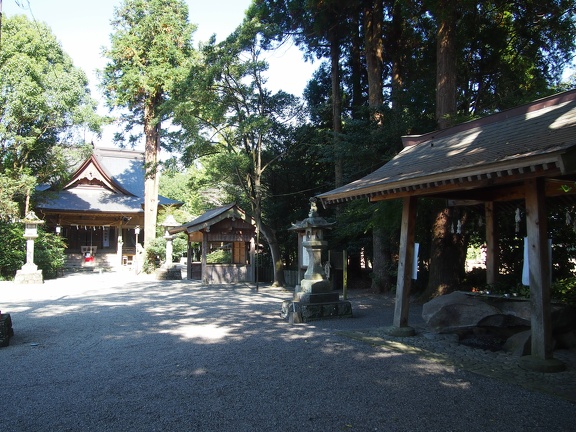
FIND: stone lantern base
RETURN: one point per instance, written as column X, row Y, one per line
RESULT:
column 298, row 312
column 169, row 273
column 29, row 274
column 308, row 306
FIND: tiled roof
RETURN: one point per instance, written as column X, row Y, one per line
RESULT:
column 93, row 200
column 532, row 137
column 124, row 167
column 211, row 217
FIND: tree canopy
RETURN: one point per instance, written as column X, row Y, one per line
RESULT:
column 151, row 50
column 45, row 105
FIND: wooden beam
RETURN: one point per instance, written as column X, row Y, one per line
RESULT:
column 204, row 271
column 492, row 246
column 512, row 177
column 539, row 269
column 405, row 262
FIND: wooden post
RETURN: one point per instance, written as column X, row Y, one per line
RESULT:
column 405, row 263
column 539, row 270
column 344, row 275
column 204, row 275
column 189, row 260
column 492, row 246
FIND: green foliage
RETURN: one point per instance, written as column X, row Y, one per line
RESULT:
column 155, row 254
column 150, row 53
column 48, row 251
column 179, row 247
column 45, row 106
column 151, row 49
column 220, row 256
column 564, row 290
column 13, row 250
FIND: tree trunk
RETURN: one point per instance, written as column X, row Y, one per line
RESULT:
column 446, row 66
column 447, row 254
column 447, row 249
column 397, row 54
column 152, row 132
column 277, row 262
column 374, row 47
column 356, row 68
column 336, row 106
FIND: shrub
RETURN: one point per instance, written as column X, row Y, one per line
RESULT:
column 564, row 290
column 13, row 250
column 219, row 256
column 48, row 251
column 156, row 252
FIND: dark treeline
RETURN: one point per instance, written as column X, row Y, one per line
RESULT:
column 392, row 68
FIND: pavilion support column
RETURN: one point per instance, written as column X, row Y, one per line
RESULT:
column 400, row 323
column 492, row 246
column 541, row 358
column 204, row 253
column 189, row 260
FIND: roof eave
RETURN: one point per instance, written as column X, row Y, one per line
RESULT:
column 558, row 163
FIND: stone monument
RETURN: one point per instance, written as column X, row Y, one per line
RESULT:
column 314, row 298
column 29, row 273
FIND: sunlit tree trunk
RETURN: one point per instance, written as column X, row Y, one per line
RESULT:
column 152, row 133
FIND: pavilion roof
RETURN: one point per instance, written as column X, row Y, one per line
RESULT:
column 211, row 217
column 533, row 140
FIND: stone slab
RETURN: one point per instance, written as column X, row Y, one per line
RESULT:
column 169, row 274
column 298, row 312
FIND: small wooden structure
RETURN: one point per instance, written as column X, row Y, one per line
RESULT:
column 527, row 153
column 225, row 228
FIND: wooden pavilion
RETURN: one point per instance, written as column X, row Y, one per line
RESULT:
column 527, row 153
column 228, row 229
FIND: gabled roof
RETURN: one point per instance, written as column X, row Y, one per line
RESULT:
column 534, row 140
column 212, row 217
column 111, row 180
column 92, row 174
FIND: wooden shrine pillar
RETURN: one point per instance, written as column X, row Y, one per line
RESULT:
column 539, row 270
column 189, row 260
column 204, row 271
column 405, row 265
column 492, row 246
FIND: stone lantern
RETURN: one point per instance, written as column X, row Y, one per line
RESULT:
column 314, row 298
column 169, row 271
column 168, row 223
column 29, row 273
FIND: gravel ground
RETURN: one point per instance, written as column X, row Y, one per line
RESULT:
column 113, row 352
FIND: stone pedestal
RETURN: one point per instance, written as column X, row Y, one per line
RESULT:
column 169, row 273
column 29, row 274
column 301, row 312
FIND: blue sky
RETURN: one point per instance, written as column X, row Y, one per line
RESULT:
column 83, row 28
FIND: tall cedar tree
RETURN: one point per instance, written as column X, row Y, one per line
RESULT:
column 151, row 48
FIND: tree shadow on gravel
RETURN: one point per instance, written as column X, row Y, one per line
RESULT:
column 176, row 355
